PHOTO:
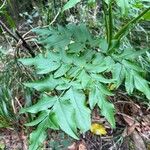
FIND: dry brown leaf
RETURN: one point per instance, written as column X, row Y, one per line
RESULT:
column 73, row 146
column 124, row 134
column 138, row 141
column 128, row 108
column 131, row 129
column 82, row 146
column 146, row 119
column 129, row 120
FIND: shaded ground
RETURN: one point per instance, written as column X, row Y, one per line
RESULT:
column 10, row 140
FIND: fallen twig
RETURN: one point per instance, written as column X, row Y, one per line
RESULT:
column 24, row 43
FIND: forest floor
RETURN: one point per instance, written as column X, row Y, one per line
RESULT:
column 132, row 132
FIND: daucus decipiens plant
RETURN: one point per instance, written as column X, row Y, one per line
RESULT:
column 75, row 66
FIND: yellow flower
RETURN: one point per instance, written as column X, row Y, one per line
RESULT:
column 98, row 129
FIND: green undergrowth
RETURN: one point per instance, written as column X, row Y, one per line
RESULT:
column 77, row 71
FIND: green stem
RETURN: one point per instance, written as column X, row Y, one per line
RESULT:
column 126, row 26
column 105, row 17
column 125, row 29
column 110, row 23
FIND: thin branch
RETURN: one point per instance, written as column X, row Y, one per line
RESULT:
column 8, row 31
column 55, row 17
column 24, row 43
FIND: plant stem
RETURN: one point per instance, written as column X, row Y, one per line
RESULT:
column 105, row 17
column 108, row 21
column 110, row 24
column 120, row 33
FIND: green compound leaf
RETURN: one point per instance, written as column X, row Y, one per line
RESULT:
column 84, row 78
column 43, row 31
column 65, row 115
column 107, row 109
column 70, row 4
column 129, row 81
column 132, row 66
column 43, row 64
column 63, row 37
column 131, row 53
column 134, row 80
column 62, row 70
column 39, row 119
column 76, row 47
column 77, row 70
column 124, row 5
column 47, row 84
column 96, row 96
column 80, row 33
column 100, row 78
column 141, row 84
column 43, row 104
column 82, row 113
column 53, row 121
column 118, row 74
column 93, row 97
column 38, row 136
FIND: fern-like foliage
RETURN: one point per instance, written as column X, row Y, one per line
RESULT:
column 76, row 67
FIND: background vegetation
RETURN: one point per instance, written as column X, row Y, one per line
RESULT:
column 89, row 74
